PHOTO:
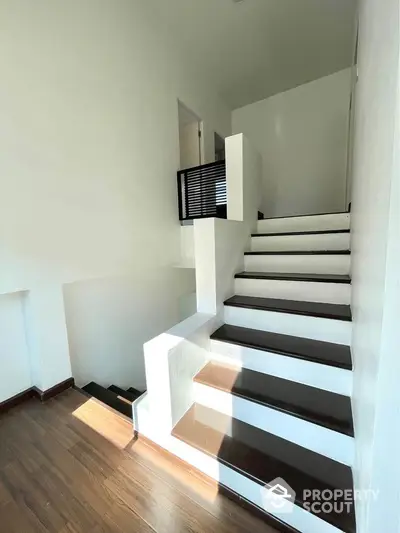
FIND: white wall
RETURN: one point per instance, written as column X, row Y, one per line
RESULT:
column 302, row 135
column 375, row 266
column 89, row 136
column 15, row 374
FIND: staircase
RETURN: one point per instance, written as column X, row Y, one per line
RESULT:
column 118, row 399
column 273, row 400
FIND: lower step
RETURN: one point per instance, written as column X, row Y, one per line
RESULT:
column 317, row 364
column 135, row 392
column 300, row 242
column 123, row 394
column 337, row 262
column 317, row 222
column 294, row 287
column 321, row 322
column 109, row 398
column 322, row 408
column 264, row 458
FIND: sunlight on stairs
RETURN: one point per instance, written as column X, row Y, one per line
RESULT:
column 274, row 399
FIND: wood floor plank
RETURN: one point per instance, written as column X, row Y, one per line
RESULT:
column 5, row 496
column 121, row 519
column 32, row 501
column 14, row 519
column 73, row 466
column 187, row 481
column 191, row 514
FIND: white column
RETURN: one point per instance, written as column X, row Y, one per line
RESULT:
column 243, row 180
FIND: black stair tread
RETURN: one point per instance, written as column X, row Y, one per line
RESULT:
column 321, row 310
column 109, row 398
column 310, row 215
column 310, row 232
column 290, row 276
column 327, row 409
column 327, row 353
column 301, row 252
column 136, row 392
column 129, row 396
column 263, row 457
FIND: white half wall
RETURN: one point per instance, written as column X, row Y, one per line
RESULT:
column 90, row 149
column 46, row 335
column 109, row 320
column 15, row 373
column 375, row 266
column 302, row 136
column 172, row 360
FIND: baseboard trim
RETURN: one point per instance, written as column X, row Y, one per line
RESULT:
column 16, row 400
column 225, row 491
column 34, row 392
column 53, row 391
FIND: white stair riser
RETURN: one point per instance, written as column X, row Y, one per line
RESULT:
column 321, row 440
column 325, row 241
column 302, row 264
column 299, row 519
column 305, row 291
column 309, row 327
column 317, row 375
column 305, row 223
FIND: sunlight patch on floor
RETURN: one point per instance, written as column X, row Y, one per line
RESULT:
column 105, row 422
column 119, row 432
column 180, row 471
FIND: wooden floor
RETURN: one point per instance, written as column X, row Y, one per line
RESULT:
column 72, row 465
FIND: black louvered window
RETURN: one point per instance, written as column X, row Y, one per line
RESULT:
column 202, row 191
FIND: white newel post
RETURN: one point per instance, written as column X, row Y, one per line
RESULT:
column 243, row 180
column 173, row 358
column 219, row 244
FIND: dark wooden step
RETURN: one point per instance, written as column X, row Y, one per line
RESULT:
column 326, row 353
column 289, row 276
column 135, row 392
column 321, row 310
column 129, row 396
column 263, row 457
column 109, row 398
column 301, row 252
column 313, row 232
column 310, row 215
column 327, row 409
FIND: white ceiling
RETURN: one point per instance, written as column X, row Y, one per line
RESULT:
column 256, row 48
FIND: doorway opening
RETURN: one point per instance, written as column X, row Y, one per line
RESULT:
column 219, row 143
column 351, row 124
column 190, row 138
